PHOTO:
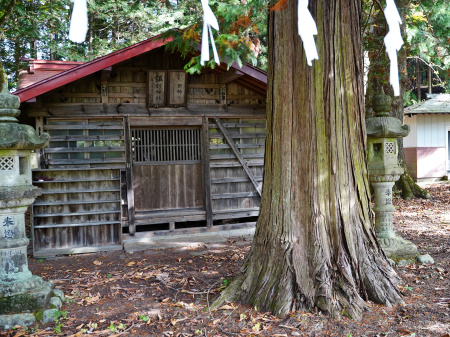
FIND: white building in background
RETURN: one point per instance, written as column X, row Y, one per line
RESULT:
column 427, row 147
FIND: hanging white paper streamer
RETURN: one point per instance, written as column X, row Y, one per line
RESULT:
column 78, row 21
column 393, row 41
column 307, row 29
column 209, row 20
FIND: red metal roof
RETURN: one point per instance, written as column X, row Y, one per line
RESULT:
column 255, row 77
column 88, row 68
column 39, row 70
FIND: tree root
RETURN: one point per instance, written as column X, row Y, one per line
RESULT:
column 410, row 189
column 276, row 286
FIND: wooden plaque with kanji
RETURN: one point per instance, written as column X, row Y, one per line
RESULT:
column 156, row 88
column 177, row 88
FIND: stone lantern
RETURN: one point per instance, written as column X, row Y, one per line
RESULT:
column 20, row 291
column 382, row 134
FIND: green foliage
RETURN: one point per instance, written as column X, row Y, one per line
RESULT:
column 59, row 315
column 428, row 35
column 58, row 327
column 426, row 38
column 410, row 98
column 242, row 36
column 145, row 318
column 39, row 29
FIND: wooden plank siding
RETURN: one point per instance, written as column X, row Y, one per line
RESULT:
column 232, row 190
column 110, row 168
column 158, row 187
column 78, row 209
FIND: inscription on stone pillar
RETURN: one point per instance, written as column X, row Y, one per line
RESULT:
column 8, row 233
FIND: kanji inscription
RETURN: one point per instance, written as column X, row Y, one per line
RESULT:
column 177, row 88
column 8, row 233
column 156, row 88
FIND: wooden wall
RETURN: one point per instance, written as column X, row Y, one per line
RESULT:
column 78, row 209
column 426, row 146
column 427, row 130
column 233, row 193
column 159, row 187
column 88, row 166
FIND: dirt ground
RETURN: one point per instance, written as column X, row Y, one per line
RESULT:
column 167, row 292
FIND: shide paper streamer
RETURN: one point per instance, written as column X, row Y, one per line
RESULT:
column 209, row 20
column 78, row 21
column 307, row 29
column 393, row 41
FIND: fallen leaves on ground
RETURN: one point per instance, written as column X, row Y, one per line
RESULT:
column 168, row 292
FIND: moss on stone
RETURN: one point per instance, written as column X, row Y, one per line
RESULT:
column 26, row 302
column 3, row 77
column 39, row 314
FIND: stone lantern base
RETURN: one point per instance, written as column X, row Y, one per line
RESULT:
column 394, row 246
column 398, row 248
column 21, row 293
column 27, row 296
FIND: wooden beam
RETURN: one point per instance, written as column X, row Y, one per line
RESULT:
column 230, row 75
column 129, row 178
column 164, row 121
column 223, row 94
column 106, row 73
column 418, row 80
column 430, row 80
column 238, row 154
column 206, row 171
column 40, row 152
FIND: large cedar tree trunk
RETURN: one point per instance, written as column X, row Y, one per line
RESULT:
column 314, row 245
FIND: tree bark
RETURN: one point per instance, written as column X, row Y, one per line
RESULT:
column 8, row 7
column 379, row 79
column 314, row 245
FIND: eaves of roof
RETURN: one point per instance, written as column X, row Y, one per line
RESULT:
column 439, row 104
column 254, row 78
column 88, row 68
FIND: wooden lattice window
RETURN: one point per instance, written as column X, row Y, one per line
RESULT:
column 166, row 146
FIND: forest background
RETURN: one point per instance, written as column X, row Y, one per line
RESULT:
column 38, row 29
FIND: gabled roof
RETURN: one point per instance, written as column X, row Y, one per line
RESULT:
column 437, row 104
column 88, row 68
column 253, row 78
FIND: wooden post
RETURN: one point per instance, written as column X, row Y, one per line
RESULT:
column 40, row 152
column 430, row 80
column 105, row 75
column 238, row 154
column 419, row 80
column 206, row 172
column 129, row 177
column 223, row 94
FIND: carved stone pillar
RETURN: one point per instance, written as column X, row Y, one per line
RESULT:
column 384, row 171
